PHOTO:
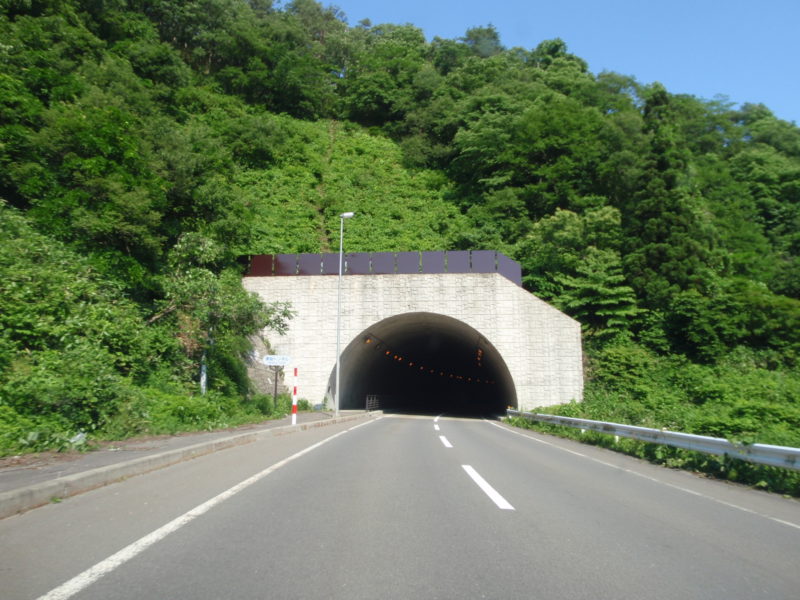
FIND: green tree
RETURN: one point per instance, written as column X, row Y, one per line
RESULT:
column 598, row 297
column 213, row 314
column 483, row 41
column 71, row 344
column 550, row 150
column 558, row 244
column 734, row 312
column 378, row 85
column 668, row 240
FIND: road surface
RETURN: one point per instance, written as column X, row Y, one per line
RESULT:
column 408, row 507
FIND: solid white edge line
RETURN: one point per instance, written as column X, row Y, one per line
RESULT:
column 495, row 496
column 649, row 478
column 445, row 441
column 92, row 574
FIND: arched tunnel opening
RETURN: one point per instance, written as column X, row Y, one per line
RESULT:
column 424, row 363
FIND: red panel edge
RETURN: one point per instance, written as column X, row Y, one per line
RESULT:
column 261, row 265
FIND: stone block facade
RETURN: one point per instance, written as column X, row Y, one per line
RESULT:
column 541, row 346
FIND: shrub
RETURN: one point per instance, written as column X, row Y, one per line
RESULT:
column 20, row 434
column 78, row 385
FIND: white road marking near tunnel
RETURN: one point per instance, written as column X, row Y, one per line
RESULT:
column 445, row 441
column 104, row 567
column 495, row 496
column 653, row 479
column 435, row 427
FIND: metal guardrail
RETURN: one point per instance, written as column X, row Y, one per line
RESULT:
column 373, row 402
column 764, row 454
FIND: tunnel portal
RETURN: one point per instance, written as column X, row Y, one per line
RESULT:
column 424, row 362
column 452, row 331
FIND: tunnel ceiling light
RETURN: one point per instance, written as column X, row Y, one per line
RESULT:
column 455, row 377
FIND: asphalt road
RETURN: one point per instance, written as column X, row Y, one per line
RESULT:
column 408, row 507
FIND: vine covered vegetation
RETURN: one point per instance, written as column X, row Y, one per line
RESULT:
column 147, row 145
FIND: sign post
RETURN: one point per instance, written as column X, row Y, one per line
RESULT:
column 275, row 373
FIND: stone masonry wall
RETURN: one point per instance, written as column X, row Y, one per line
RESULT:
column 540, row 345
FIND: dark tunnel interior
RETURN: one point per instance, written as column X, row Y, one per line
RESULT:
column 424, row 363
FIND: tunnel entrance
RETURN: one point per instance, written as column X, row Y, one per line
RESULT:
column 424, row 362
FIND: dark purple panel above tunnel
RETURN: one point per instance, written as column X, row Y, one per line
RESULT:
column 483, row 261
column 357, row 263
column 510, row 269
column 361, row 263
column 408, row 262
column 310, row 264
column 382, row 263
column 433, row 262
column 286, row 264
column 330, row 264
column 458, row 261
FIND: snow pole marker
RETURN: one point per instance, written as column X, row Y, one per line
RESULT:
column 294, row 399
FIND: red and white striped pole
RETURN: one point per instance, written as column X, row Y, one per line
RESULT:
column 294, row 399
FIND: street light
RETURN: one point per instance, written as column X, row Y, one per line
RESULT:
column 342, row 217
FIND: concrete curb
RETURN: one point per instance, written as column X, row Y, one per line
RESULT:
column 27, row 498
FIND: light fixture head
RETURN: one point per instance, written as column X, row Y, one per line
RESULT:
column 347, row 215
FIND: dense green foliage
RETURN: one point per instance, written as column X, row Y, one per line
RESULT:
column 737, row 398
column 146, row 144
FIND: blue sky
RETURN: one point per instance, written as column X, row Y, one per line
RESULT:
column 748, row 51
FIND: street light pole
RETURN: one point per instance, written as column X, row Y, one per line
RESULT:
column 342, row 217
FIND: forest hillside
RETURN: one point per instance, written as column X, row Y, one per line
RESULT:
column 147, row 145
